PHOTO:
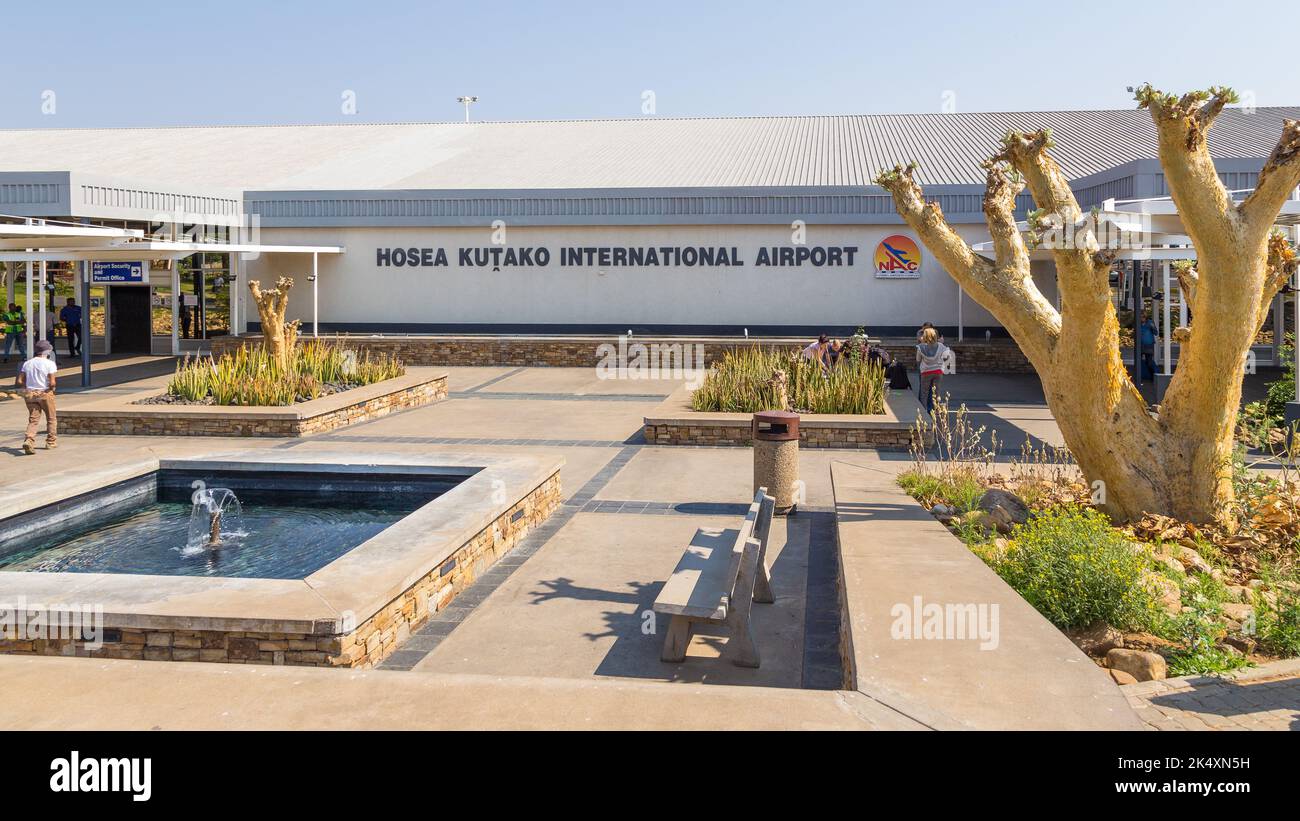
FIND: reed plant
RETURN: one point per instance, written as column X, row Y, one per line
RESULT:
column 741, row 382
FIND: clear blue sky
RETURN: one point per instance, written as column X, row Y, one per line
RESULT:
column 124, row 63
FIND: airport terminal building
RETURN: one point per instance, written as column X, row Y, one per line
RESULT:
column 769, row 225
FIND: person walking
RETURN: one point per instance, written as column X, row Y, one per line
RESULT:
column 930, row 356
column 15, row 325
column 1147, row 336
column 70, row 316
column 38, row 380
column 925, row 326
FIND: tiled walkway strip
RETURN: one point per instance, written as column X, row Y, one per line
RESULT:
column 1260, row 698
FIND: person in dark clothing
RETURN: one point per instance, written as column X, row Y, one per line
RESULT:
column 185, row 321
column 70, row 316
column 1147, row 337
column 879, row 355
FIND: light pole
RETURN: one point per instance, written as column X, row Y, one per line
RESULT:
column 466, row 101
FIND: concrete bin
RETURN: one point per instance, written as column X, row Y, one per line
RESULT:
column 776, row 457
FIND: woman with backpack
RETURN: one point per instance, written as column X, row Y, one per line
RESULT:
column 930, row 354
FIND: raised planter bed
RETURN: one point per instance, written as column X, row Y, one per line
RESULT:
column 121, row 415
column 675, row 423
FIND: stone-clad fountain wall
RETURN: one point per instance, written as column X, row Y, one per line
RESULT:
column 369, row 643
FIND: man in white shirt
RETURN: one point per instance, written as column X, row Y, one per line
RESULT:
column 37, row 379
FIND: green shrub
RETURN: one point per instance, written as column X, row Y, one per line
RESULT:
column 1278, row 625
column 959, row 489
column 738, row 383
column 1282, row 390
column 1199, row 630
column 1074, row 568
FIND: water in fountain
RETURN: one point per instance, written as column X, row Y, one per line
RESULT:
column 216, row 519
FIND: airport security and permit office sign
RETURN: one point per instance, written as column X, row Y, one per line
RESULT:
column 119, row 273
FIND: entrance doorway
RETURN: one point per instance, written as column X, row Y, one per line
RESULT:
column 131, row 330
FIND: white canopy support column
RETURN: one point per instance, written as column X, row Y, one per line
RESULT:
column 43, row 287
column 961, row 326
column 315, row 289
column 1164, row 322
column 84, row 276
column 176, row 309
column 235, row 274
column 27, row 313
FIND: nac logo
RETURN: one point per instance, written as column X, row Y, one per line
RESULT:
column 898, row 256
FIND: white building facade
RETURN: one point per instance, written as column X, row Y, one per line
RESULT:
column 687, row 226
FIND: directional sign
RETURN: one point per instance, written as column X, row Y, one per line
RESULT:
column 119, row 273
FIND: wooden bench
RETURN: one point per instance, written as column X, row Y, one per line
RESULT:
column 716, row 582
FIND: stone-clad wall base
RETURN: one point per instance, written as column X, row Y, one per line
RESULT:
column 367, row 645
column 155, row 420
column 857, row 437
column 1000, row 356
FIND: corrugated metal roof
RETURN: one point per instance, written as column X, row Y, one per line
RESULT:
column 638, row 153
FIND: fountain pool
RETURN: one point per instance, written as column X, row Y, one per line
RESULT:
column 318, row 558
column 264, row 531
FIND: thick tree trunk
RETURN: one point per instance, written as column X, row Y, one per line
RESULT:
column 1176, row 461
column 279, row 337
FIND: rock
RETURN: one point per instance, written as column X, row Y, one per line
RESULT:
column 1192, row 560
column 942, row 510
column 1268, row 597
column 997, row 519
column 1147, row 641
column 1237, row 611
column 1230, row 649
column 1121, row 677
column 1170, row 562
column 1167, row 590
column 1139, row 664
column 1243, row 644
column 971, row 516
column 1096, row 639
column 1015, row 508
column 1238, row 592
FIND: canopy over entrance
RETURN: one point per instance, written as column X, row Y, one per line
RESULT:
column 38, row 242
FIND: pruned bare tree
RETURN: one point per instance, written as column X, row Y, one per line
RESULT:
column 1175, row 460
column 279, row 336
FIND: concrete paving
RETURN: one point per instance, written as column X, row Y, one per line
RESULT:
column 557, row 626
column 142, row 695
column 581, row 607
